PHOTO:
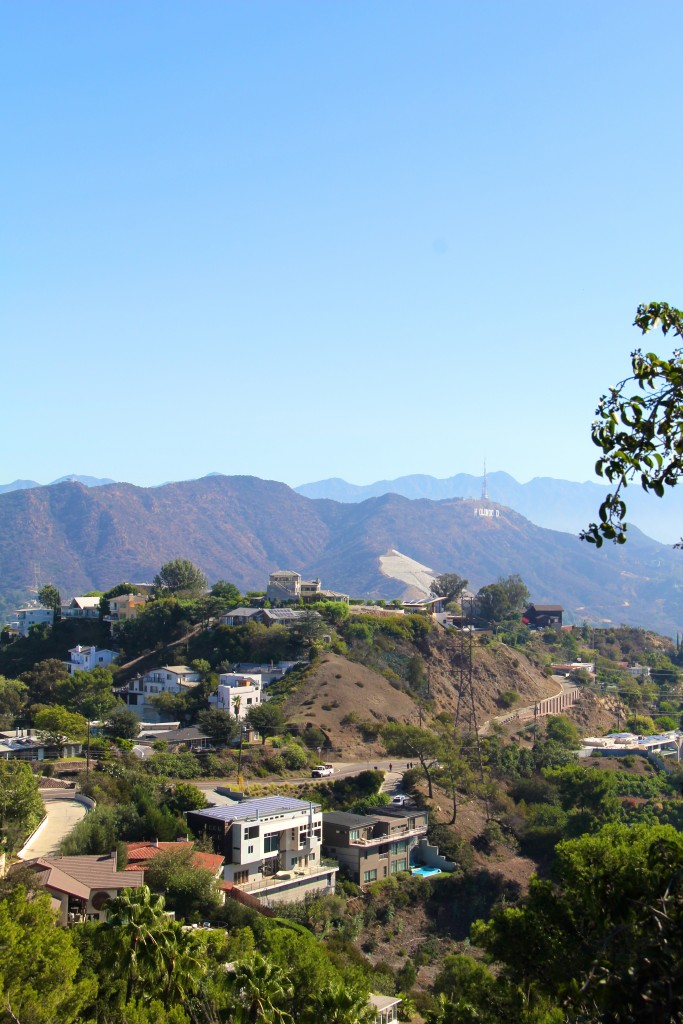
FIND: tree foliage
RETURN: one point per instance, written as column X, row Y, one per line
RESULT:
column 38, row 964
column 503, row 600
column 20, row 805
column 639, row 426
column 50, row 597
column 449, row 585
column 179, row 576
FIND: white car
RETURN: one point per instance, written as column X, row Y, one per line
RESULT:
column 321, row 770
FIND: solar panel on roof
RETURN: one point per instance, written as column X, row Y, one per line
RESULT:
column 252, row 808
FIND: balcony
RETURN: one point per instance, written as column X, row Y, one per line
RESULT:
column 393, row 837
column 280, row 878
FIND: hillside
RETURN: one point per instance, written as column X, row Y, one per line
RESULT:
column 242, row 528
column 339, row 696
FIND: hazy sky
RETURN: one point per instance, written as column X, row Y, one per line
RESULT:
column 302, row 240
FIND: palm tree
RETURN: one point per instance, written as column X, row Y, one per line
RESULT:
column 144, row 940
column 337, row 1003
column 263, row 990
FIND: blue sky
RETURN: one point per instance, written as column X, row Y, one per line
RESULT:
column 302, row 240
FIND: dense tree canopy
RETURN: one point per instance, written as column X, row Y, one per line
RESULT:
column 503, row 600
column 20, row 805
column 50, row 597
column 639, row 426
column 449, row 585
column 180, row 576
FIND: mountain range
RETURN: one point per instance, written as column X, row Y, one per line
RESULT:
column 555, row 504
column 242, row 528
column 87, row 481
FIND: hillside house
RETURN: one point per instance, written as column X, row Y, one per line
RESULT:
column 240, row 616
column 385, row 1007
column 29, row 745
column 190, row 738
column 142, row 854
column 81, row 887
column 285, row 587
column 82, row 608
column 285, row 616
column 169, row 679
column 124, row 607
column 426, row 605
column 376, row 845
column 542, row 616
column 237, row 693
column 32, row 614
column 85, row 659
column 271, row 845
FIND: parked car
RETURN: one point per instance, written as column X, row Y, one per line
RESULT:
column 398, row 800
column 321, row 770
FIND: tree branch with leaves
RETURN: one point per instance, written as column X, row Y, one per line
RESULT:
column 640, row 432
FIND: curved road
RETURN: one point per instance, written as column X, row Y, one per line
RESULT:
column 63, row 812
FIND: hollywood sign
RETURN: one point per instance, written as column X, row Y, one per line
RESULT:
column 490, row 512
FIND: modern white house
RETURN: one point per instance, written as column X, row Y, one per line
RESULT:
column 169, row 679
column 271, row 847
column 85, row 659
column 33, row 614
column 237, row 692
column 82, row 608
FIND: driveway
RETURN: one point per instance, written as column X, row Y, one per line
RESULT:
column 63, row 812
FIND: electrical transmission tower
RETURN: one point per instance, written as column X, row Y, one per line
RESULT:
column 466, row 711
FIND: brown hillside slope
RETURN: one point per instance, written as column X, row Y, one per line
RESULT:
column 335, row 687
column 495, row 668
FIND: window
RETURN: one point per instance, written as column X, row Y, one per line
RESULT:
column 240, row 877
column 398, row 865
column 354, row 833
column 271, row 842
column 252, row 832
column 250, row 849
column 400, row 847
column 370, row 876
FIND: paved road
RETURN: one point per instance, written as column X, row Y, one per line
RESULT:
column 391, row 784
column 63, row 812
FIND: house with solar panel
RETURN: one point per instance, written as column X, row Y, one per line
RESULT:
column 271, row 846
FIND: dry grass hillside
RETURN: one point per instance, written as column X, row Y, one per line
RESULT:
column 335, row 688
column 495, row 670
column 337, row 694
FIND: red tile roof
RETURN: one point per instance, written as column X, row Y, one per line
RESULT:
column 140, row 855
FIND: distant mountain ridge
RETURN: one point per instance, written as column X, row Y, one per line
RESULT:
column 242, row 528
column 87, row 481
column 555, row 504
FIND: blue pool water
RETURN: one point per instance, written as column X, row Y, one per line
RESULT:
column 425, row 872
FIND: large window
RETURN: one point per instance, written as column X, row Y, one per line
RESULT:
column 400, row 847
column 271, row 842
column 252, row 832
column 370, row 876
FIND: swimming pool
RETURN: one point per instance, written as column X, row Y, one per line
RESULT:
column 425, row 872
